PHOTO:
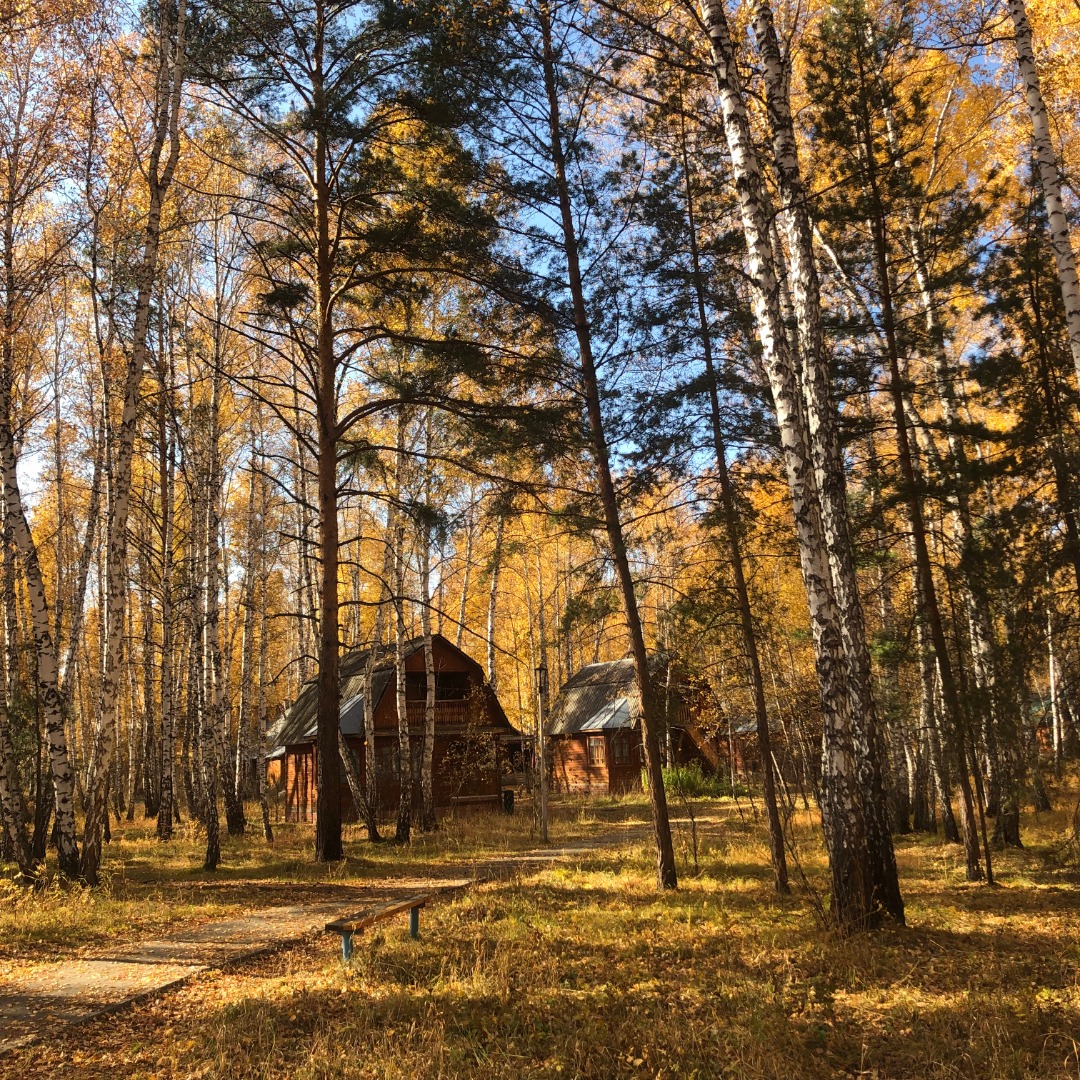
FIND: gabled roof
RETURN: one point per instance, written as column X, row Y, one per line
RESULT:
column 598, row 697
column 604, row 697
column 300, row 721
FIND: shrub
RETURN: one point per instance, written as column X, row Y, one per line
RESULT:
column 689, row 782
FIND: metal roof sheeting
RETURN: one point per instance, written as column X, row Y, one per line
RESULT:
column 599, row 697
column 300, row 721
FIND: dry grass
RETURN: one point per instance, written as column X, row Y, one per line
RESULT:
column 149, row 887
column 584, row 970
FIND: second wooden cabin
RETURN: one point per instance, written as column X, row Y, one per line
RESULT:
column 595, row 728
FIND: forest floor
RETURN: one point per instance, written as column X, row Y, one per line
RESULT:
column 582, row 969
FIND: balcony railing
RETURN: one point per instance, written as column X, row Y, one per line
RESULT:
column 448, row 713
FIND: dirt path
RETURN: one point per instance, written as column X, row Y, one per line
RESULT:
column 34, row 1005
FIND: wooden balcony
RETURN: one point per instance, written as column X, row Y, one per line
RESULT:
column 447, row 713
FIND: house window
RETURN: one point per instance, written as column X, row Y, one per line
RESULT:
column 596, row 751
column 386, row 758
column 452, row 686
column 620, row 749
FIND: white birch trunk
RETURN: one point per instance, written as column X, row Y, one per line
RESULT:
column 855, row 899
column 12, row 807
column 167, row 751
column 405, row 778
column 427, row 787
column 470, row 530
column 824, row 444
column 264, row 662
column 48, row 689
column 371, row 774
column 159, row 178
column 1057, row 732
column 217, row 703
column 1049, row 171
column 206, row 717
column 493, row 598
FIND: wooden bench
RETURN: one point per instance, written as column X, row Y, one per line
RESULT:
column 353, row 924
column 475, row 800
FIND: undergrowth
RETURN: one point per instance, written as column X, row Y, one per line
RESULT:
column 585, row 970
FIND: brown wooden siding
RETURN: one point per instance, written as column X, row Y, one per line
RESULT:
column 467, row 761
column 299, row 770
column 573, row 772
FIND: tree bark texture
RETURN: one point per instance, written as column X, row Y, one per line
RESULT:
column 650, row 734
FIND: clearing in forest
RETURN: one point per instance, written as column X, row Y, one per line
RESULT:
column 582, row 969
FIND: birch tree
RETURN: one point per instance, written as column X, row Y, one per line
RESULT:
column 33, row 110
column 861, row 862
column 163, row 155
column 1049, row 173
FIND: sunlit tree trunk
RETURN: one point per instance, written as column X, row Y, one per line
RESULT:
column 305, row 603
column 824, row 445
column 203, row 718
column 328, row 847
column 263, row 567
column 493, row 595
column 466, row 576
column 405, row 776
column 166, row 471
column 247, row 727
column 427, row 786
column 139, row 733
column 217, row 703
column 11, row 608
column 12, row 807
column 1057, row 727
column 665, row 855
column 855, row 861
column 375, row 655
column 86, row 558
column 63, row 779
column 159, row 173
column 1049, row 173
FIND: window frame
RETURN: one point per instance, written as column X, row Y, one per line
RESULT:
column 620, row 748
column 596, row 742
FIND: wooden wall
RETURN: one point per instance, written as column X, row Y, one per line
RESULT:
column 461, row 770
column 572, row 772
column 458, row 765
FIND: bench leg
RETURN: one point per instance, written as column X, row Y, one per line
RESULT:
column 346, row 946
column 414, row 922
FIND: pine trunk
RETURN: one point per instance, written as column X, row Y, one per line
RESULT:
column 328, row 846
column 667, row 877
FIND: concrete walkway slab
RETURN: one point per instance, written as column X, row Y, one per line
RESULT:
column 51, row 993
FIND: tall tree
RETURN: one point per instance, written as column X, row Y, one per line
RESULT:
column 168, row 32
column 598, row 438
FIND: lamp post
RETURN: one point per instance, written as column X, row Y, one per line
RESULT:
column 541, row 698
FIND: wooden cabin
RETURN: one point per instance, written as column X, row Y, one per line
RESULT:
column 474, row 741
column 595, row 729
column 737, row 740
